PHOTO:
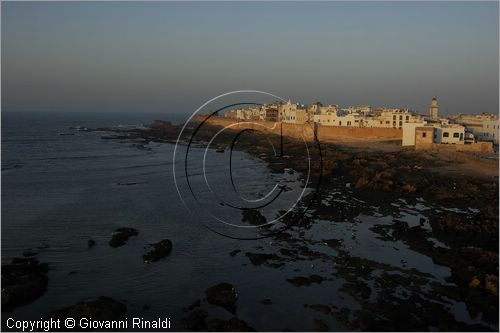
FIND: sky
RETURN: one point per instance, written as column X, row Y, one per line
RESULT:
column 172, row 57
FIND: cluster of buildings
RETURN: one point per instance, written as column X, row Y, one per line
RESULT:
column 460, row 129
column 331, row 115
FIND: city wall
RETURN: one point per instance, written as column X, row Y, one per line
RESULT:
column 306, row 131
column 331, row 133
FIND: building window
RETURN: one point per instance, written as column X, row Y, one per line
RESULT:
column 400, row 123
column 424, row 134
column 407, row 118
column 456, row 135
column 446, row 134
column 400, row 117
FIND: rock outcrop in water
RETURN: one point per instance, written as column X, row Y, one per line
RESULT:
column 121, row 236
column 23, row 281
column 223, row 295
column 103, row 308
column 158, row 251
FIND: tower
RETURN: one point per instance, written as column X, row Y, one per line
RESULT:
column 433, row 109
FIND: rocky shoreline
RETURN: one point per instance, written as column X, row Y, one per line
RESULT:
column 457, row 228
column 467, row 229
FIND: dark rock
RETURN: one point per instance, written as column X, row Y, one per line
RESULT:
column 305, row 281
column 25, row 261
column 23, row 281
column 320, row 326
column 266, row 301
column 90, row 243
column 158, row 251
column 121, row 235
column 359, row 290
column 234, row 252
column 223, row 295
column 362, row 182
column 104, row 308
column 195, row 321
column 231, row 325
column 334, row 243
column 29, row 253
column 193, row 305
column 253, row 217
column 325, row 309
column 260, row 258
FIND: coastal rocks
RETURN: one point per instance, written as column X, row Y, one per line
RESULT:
column 358, row 289
column 232, row 325
column 474, row 283
column 409, row 188
column 334, row 243
column 198, row 321
column 29, row 253
column 258, row 259
column 254, row 217
column 324, row 309
column 23, row 281
column 491, row 284
column 453, row 228
column 193, row 305
column 223, row 295
column 300, row 281
column 103, row 308
column 266, row 301
column 362, row 182
column 320, row 326
column 121, row 235
column 158, row 251
column 90, row 243
column 195, row 321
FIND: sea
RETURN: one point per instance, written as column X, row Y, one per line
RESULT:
column 60, row 191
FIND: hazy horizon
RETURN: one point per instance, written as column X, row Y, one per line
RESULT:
column 172, row 57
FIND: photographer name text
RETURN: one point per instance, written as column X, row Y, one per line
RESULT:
column 86, row 323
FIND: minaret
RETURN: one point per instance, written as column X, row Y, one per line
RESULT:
column 433, row 109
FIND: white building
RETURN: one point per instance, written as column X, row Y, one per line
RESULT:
column 293, row 113
column 490, row 131
column 442, row 133
column 485, row 127
column 449, row 134
column 409, row 132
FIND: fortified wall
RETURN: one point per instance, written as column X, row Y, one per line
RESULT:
column 306, row 131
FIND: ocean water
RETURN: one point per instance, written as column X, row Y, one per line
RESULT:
column 59, row 191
